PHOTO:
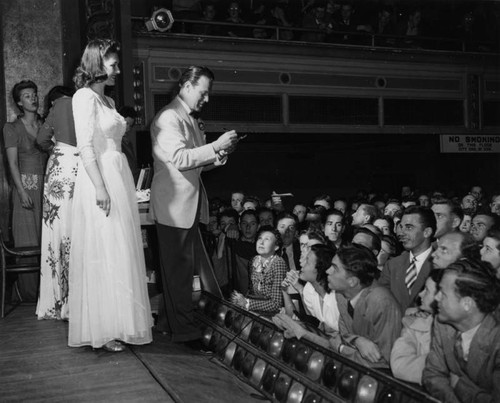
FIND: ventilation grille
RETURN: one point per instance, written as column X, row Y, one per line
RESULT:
column 326, row 110
column 423, row 112
column 491, row 113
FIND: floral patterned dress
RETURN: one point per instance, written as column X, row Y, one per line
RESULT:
column 56, row 219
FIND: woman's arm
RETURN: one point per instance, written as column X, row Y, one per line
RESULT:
column 84, row 113
column 26, row 201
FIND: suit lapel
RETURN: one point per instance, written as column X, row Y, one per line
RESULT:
column 424, row 272
column 481, row 347
column 191, row 122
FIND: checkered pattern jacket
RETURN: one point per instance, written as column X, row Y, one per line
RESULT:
column 267, row 286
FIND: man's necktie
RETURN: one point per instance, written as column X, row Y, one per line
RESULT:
column 350, row 309
column 459, row 351
column 411, row 274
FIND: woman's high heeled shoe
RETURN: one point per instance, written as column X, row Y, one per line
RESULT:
column 113, row 346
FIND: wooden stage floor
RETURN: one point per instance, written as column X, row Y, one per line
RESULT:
column 36, row 365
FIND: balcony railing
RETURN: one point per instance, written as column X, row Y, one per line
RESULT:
column 218, row 29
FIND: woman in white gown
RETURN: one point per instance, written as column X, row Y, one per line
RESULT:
column 108, row 298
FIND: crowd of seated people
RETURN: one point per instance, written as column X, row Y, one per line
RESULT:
column 391, row 284
column 426, row 25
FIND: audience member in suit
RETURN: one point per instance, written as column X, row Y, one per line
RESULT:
column 463, row 364
column 287, row 224
column 418, row 225
column 178, row 198
column 370, row 318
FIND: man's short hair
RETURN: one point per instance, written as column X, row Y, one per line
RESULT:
column 455, row 209
column 469, row 248
column 229, row 212
column 314, row 233
column 249, row 212
column 426, row 215
column 493, row 217
column 371, row 211
column 253, row 199
column 334, row 211
column 375, row 242
column 477, row 279
column 194, row 73
column 287, row 214
column 360, row 262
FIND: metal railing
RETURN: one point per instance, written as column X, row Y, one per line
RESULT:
column 333, row 37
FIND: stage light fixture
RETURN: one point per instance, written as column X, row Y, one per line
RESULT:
column 281, row 387
column 296, row 393
column 276, row 344
column 228, row 356
column 258, row 371
column 161, row 20
column 367, row 390
column 347, row 383
column 315, row 365
column 247, row 366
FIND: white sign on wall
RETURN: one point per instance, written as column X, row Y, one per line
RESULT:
column 470, row 143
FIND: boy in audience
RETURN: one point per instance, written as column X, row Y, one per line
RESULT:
column 370, row 318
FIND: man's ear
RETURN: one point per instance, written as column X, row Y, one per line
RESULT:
column 428, row 232
column 467, row 303
column 353, row 281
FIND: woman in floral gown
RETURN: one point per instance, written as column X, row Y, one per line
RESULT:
column 57, row 135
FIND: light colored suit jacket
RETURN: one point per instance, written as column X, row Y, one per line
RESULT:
column 180, row 155
column 479, row 378
column 377, row 317
column 393, row 278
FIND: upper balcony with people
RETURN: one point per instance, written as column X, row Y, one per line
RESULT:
column 459, row 26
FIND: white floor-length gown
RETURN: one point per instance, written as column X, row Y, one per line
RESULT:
column 108, row 296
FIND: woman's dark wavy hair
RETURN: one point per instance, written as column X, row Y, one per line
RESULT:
column 360, row 262
column 56, row 92
column 16, row 91
column 324, row 255
column 91, row 69
column 477, row 279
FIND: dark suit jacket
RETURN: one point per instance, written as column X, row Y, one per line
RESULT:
column 479, row 378
column 296, row 254
column 393, row 278
column 377, row 317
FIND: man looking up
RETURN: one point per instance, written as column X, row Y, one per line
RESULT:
column 448, row 217
column 405, row 275
column 453, row 246
column 365, row 214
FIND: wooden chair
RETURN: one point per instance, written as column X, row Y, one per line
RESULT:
column 12, row 262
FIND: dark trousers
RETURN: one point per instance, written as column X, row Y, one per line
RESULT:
column 177, row 258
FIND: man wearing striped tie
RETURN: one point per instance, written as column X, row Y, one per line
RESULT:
column 405, row 275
